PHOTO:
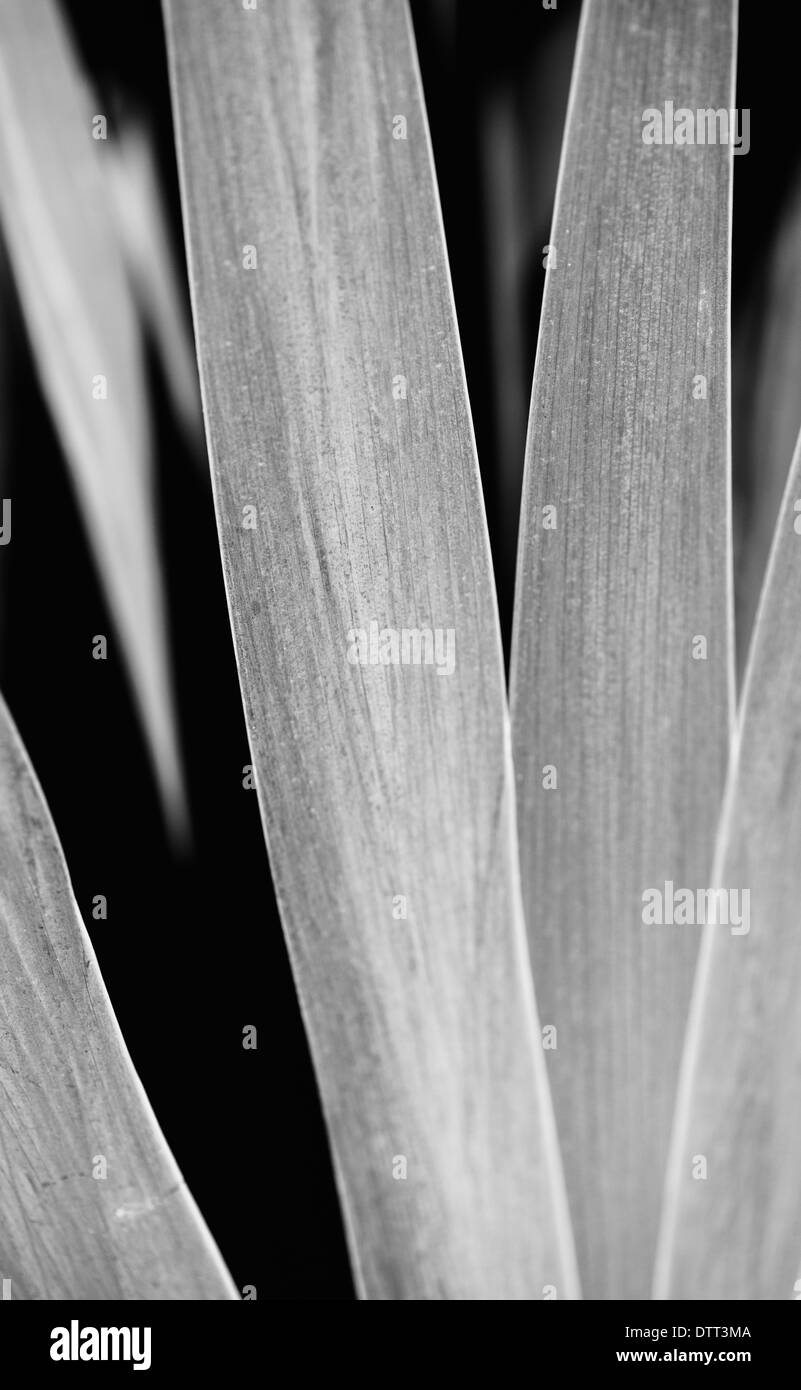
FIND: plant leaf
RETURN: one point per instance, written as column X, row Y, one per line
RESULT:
column 737, row 1234
column 604, row 687
column 77, row 305
column 770, row 428
column 71, row 1097
column 518, row 176
column 381, row 787
column 145, row 241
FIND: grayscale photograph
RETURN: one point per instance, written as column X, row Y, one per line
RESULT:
column 400, row 670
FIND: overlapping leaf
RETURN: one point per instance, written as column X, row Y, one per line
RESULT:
column 347, row 494
column 732, row 1224
column 69, row 273
column 622, row 664
column 93, row 1204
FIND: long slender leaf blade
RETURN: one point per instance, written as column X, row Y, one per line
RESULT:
column 70, row 1097
column 609, row 600
column 732, row 1225
column 144, row 237
column 69, row 272
column 376, row 782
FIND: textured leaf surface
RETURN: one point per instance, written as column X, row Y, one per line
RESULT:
column 375, row 781
column 736, row 1233
column 69, row 1096
column 604, row 687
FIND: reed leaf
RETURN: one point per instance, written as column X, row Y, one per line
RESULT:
column 93, row 1204
column 144, row 237
column 70, row 276
column 620, row 736
column 347, row 493
column 732, row 1220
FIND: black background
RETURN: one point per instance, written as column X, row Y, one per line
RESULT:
column 192, row 949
